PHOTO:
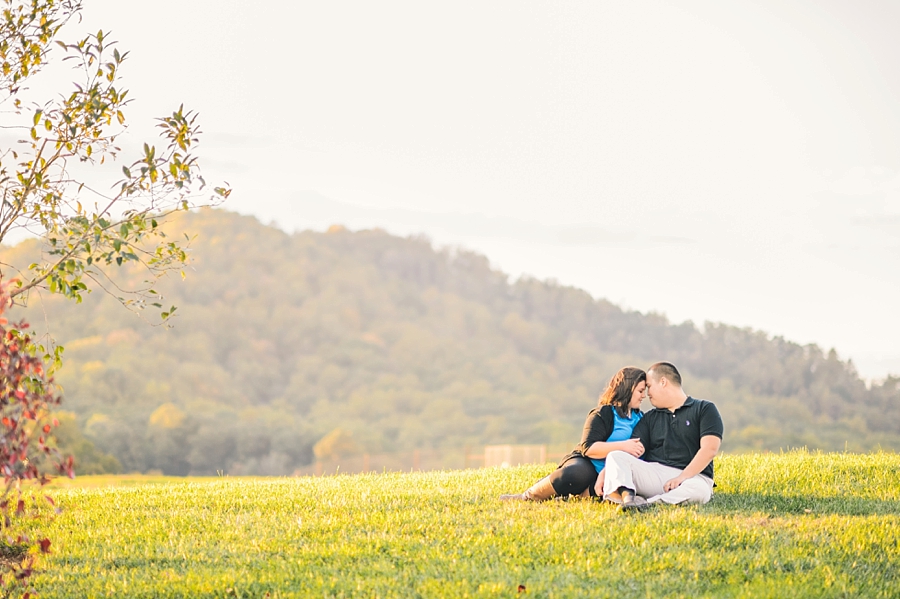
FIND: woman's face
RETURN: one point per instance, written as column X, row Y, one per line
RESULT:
column 637, row 396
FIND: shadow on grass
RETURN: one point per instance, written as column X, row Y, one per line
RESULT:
column 772, row 503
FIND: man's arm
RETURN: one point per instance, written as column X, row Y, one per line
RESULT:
column 641, row 430
column 709, row 447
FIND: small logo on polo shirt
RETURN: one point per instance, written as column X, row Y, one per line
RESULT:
column 687, row 422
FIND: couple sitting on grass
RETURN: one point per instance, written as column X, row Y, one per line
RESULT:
column 635, row 459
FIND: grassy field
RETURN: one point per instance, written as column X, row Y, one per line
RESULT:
column 780, row 525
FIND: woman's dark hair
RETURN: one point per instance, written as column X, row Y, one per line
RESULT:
column 621, row 386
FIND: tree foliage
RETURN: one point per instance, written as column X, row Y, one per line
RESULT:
column 336, row 444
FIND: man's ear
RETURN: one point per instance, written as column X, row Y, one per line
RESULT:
column 663, row 381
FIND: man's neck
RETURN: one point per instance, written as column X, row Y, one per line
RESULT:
column 679, row 402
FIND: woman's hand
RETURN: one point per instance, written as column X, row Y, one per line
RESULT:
column 633, row 447
column 598, row 486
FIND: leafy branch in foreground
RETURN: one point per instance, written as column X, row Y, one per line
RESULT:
column 46, row 185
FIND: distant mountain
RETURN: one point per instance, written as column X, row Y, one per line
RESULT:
column 282, row 339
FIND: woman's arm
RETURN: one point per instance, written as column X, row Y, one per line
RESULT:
column 598, row 426
column 600, row 449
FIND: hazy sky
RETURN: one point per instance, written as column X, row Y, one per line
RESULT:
column 723, row 161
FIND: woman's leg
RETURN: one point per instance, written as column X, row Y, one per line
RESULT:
column 575, row 476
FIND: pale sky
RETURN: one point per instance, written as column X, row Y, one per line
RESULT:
column 734, row 162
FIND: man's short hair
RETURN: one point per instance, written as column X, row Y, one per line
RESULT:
column 667, row 370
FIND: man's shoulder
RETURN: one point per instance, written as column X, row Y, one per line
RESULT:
column 700, row 404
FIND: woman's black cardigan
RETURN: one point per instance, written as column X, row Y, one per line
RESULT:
column 598, row 426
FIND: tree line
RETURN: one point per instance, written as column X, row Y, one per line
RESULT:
column 279, row 340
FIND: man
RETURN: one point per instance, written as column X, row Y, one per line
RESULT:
column 681, row 436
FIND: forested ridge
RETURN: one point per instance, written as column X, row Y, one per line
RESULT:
column 282, row 338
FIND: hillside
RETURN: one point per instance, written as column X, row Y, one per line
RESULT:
column 282, row 338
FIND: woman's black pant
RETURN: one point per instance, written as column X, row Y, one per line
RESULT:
column 573, row 475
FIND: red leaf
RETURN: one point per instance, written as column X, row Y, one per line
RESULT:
column 45, row 545
column 521, row 588
column 46, row 428
column 20, row 508
column 49, row 500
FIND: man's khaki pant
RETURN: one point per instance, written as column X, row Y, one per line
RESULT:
column 647, row 480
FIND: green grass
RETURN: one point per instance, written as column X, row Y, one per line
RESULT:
column 780, row 525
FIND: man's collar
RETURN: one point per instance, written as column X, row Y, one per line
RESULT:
column 688, row 401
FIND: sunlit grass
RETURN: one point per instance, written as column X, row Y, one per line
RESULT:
column 781, row 525
column 129, row 480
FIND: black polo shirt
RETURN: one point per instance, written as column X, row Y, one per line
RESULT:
column 673, row 438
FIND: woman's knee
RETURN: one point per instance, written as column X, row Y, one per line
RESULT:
column 573, row 477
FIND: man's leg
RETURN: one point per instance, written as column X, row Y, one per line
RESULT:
column 694, row 490
column 623, row 470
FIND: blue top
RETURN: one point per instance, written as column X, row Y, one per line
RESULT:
column 621, row 432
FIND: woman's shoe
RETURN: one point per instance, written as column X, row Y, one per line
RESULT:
column 539, row 491
column 513, row 497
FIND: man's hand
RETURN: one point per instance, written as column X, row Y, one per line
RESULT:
column 673, row 483
column 598, row 486
column 709, row 447
column 633, row 447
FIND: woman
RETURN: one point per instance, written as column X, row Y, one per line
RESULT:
column 607, row 428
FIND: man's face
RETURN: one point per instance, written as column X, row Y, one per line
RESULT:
column 655, row 387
